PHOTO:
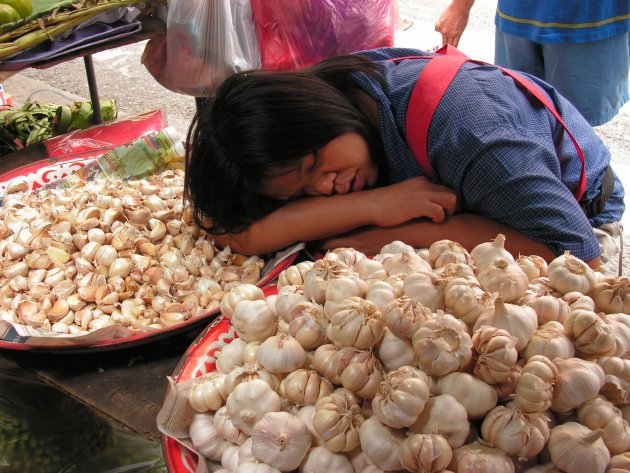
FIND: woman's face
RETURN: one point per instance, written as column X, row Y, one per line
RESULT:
column 340, row 166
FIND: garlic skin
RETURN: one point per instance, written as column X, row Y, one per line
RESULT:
column 280, row 440
column 253, row 320
column 294, row 274
column 504, row 278
column 466, row 299
column 249, row 372
column 477, row 397
column 337, row 420
column 401, row 397
column 404, row 263
column 523, row 435
column 403, row 316
column 425, row 453
column 227, row 430
column 550, row 341
column 380, row 293
column 443, row 415
column 380, row 443
column 316, row 279
column 476, row 457
column 425, row 287
column 575, row 448
column 304, row 387
column 442, row 345
column 309, row 324
column 230, row 356
column 280, row 353
column 518, row 321
column 363, row 374
column 567, row 273
column 616, row 386
column 321, row 460
column 394, row 247
column 550, row 308
column 249, row 402
column 340, row 289
column 619, row 463
column 495, row 354
column 241, row 292
column 357, row 323
column 485, row 253
column 443, row 252
column 205, row 437
column 612, row 295
column 287, row 299
column 535, row 387
column 331, row 361
column 598, row 413
column 590, row 333
column 578, row 381
column 534, row 266
column 252, row 467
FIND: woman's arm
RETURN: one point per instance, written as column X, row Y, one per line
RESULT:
column 315, row 218
column 467, row 229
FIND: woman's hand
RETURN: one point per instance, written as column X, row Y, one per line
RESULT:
column 404, row 201
column 453, row 20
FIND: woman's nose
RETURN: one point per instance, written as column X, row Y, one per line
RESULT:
column 325, row 184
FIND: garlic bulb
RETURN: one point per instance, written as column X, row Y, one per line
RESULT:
column 404, row 263
column 504, row 278
column 394, row 247
column 425, row 287
column 331, row 361
column 249, row 372
column 380, row 293
column 280, row 353
column 230, row 356
column 239, row 293
column 227, row 430
column 380, row 443
column 612, row 295
column 456, row 270
column 445, row 416
column 598, row 413
column 476, row 457
column 534, row 266
column 567, row 273
column 404, row 316
column 619, row 463
column 253, row 320
column 370, row 270
column 443, row 252
column 620, row 325
column 306, row 414
column 515, row 432
column 494, row 354
column 337, row 420
column 477, row 397
column 442, row 345
column 543, row 468
column 549, row 340
column 294, row 274
column 287, row 299
column 395, row 352
column 591, row 334
column 577, row 300
column 578, row 381
column 249, row 402
column 357, row 323
column 616, row 379
column 518, row 321
column 308, row 325
column 253, row 467
column 205, row 437
column 425, row 453
column 363, row 374
column 342, row 288
column 575, row 448
column 280, row 440
column 506, row 389
column 207, row 392
column 535, row 387
column 401, row 397
column 466, row 299
column 304, row 386
column 549, row 308
column 485, row 253
column 322, row 460
column 316, row 279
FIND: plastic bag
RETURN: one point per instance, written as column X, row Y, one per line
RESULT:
column 205, row 42
column 292, row 34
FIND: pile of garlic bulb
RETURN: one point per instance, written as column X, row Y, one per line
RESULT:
column 111, row 252
column 423, row 361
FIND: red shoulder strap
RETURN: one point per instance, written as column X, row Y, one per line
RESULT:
column 429, row 89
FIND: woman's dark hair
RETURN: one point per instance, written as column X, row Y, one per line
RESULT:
column 260, row 125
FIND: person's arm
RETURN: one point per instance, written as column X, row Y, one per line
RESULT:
column 314, row 218
column 453, row 20
column 467, row 229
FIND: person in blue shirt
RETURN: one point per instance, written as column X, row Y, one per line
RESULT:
column 581, row 47
column 321, row 155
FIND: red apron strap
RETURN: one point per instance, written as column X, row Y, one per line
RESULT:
column 429, row 89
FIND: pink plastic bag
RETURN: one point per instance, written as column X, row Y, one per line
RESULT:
column 292, row 34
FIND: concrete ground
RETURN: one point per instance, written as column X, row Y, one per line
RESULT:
column 121, row 76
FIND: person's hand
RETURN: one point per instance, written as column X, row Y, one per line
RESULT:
column 452, row 22
column 415, row 198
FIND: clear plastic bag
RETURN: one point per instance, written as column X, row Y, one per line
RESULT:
column 205, row 42
column 292, row 34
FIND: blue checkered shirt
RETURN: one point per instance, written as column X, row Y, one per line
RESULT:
column 504, row 154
